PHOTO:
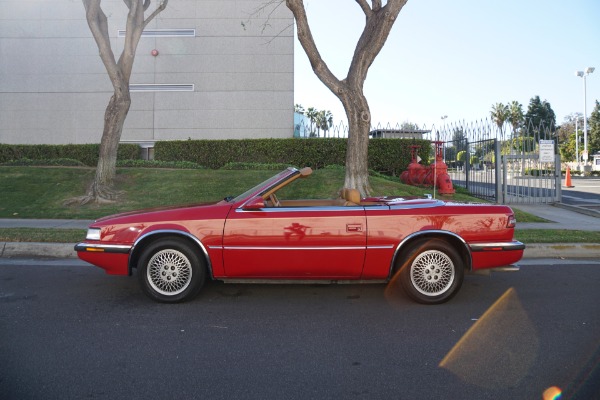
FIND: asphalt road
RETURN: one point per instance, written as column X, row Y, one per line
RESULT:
column 68, row 331
column 584, row 192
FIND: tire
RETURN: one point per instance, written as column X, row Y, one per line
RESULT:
column 170, row 271
column 432, row 271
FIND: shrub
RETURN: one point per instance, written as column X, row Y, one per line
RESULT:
column 85, row 153
column 538, row 172
column 57, row 162
column 388, row 156
column 254, row 166
column 158, row 164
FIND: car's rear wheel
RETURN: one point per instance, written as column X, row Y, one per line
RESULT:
column 432, row 271
column 170, row 271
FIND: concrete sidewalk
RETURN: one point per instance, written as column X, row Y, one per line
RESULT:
column 45, row 223
column 566, row 218
column 560, row 217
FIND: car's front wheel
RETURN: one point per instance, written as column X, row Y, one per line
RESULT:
column 432, row 271
column 170, row 271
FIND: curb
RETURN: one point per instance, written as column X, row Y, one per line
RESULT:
column 578, row 209
column 562, row 250
column 66, row 250
column 33, row 249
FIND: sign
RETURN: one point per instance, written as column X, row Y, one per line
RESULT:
column 585, row 155
column 547, row 151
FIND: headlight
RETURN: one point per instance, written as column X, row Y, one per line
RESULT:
column 93, row 234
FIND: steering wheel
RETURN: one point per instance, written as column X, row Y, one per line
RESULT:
column 274, row 200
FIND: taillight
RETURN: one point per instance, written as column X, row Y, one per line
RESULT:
column 512, row 221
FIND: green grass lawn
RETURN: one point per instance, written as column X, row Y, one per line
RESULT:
column 41, row 235
column 40, row 192
column 556, row 236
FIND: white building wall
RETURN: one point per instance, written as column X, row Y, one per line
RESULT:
column 54, row 88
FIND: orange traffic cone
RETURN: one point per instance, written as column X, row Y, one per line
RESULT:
column 568, row 178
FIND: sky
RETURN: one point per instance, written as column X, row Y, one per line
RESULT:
column 457, row 58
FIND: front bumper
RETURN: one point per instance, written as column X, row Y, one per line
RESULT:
column 113, row 259
column 102, row 248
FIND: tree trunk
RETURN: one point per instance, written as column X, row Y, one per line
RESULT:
column 119, row 72
column 114, row 119
column 357, row 152
column 379, row 20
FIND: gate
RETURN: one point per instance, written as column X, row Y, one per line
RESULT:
column 502, row 170
column 526, row 180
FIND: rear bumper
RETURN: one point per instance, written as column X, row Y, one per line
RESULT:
column 504, row 268
column 497, row 246
column 495, row 254
column 507, row 268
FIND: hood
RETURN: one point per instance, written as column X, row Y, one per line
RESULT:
column 157, row 209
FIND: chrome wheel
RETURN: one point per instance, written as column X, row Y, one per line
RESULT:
column 432, row 273
column 169, row 272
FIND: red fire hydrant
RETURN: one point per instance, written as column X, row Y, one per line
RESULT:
column 438, row 172
column 415, row 171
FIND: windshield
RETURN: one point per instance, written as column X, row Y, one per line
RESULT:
column 265, row 184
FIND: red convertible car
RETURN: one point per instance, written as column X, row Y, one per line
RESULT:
column 260, row 236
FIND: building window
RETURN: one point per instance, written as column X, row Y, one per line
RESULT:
column 162, row 33
column 161, row 87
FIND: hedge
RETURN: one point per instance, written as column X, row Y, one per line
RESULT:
column 388, row 156
column 85, row 153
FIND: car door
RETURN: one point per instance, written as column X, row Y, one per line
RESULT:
column 326, row 242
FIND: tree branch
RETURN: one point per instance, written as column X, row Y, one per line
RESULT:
column 162, row 5
column 135, row 28
column 365, row 7
column 310, row 48
column 372, row 39
column 274, row 4
column 133, row 32
column 98, row 24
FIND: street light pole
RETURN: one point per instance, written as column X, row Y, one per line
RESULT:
column 444, row 130
column 584, row 74
column 577, row 140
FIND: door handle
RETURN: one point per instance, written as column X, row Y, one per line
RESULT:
column 353, row 228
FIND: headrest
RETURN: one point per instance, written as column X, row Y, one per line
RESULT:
column 352, row 195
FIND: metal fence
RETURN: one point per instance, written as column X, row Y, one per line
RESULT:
column 496, row 163
column 502, row 163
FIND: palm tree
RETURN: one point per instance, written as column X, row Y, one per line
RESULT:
column 499, row 115
column 312, row 114
column 515, row 117
column 325, row 121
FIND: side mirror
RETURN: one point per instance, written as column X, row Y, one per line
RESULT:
column 256, row 203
